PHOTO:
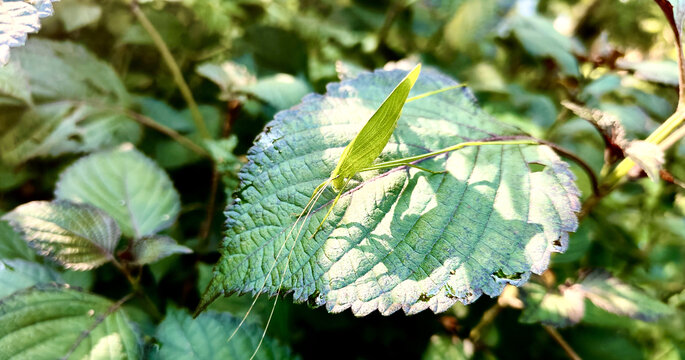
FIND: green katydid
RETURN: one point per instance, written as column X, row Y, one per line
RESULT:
column 359, row 156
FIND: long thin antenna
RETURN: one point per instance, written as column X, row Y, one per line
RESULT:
column 315, row 196
column 312, row 201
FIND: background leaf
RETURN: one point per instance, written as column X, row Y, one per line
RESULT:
column 78, row 236
column 44, row 323
column 17, row 274
column 81, row 103
column 12, row 246
column 127, row 185
column 154, row 248
column 205, row 337
column 405, row 239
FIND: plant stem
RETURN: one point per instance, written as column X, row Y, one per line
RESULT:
column 673, row 138
column 137, row 289
column 147, row 121
column 560, row 340
column 173, row 67
column 97, row 322
column 657, row 137
column 488, row 317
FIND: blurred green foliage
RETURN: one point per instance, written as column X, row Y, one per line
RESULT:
column 95, row 71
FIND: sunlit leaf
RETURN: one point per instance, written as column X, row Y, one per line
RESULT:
column 78, row 236
column 47, row 321
column 405, row 239
column 612, row 295
column 280, row 91
column 665, row 72
column 543, row 306
column 182, row 337
column 648, row 156
column 568, row 306
column 18, row 18
column 127, row 185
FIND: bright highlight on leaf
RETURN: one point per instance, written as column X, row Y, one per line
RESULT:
column 18, row 18
column 51, row 322
column 78, row 236
column 405, row 238
column 602, row 290
column 127, row 185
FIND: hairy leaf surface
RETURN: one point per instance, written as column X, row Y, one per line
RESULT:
column 403, row 239
column 78, row 236
column 127, row 185
column 182, row 337
column 45, row 322
column 154, row 248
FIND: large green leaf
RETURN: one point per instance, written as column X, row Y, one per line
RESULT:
column 78, row 236
column 182, row 337
column 17, row 274
column 127, row 185
column 45, row 322
column 81, row 103
column 404, row 239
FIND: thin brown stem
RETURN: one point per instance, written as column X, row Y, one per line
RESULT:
column 97, row 322
column 207, row 224
column 151, row 123
column 173, row 67
column 137, row 289
column 560, row 340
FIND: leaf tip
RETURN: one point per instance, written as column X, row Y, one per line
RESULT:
column 213, row 291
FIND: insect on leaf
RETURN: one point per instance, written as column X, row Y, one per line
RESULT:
column 364, row 149
column 400, row 238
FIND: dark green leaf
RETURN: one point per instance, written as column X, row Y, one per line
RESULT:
column 12, row 245
column 45, row 322
column 182, row 337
